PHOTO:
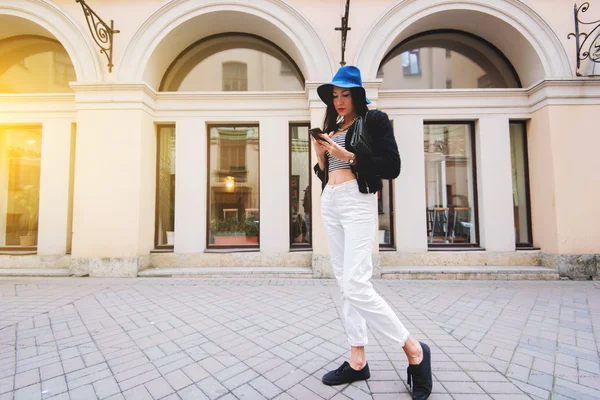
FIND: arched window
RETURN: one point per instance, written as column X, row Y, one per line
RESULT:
column 235, row 77
column 34, row 64
column 233, row 62
column 446, row 60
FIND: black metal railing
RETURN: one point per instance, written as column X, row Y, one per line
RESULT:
column 589, row 47
column 101, row 32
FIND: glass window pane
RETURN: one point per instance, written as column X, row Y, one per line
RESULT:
column 518, row 147
column 450, row 60
column 384, row 207
column 450, row 183
column 300, row 202
column 234, row 186
column 233, row 62
column 166, row 186
column 20, row 161
column 235, row 77
column 34, row 64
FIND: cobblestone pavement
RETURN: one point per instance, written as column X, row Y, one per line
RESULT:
column 83, row 338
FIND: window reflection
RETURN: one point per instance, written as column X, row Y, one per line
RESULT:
column 450, row 183
column 446, row 60
column 300, row 196
column 20, row 161
column 411, row 62
column 235, row 77
column 233, row 62
column 34, row 64
column 385, row 211
column 520, row 180
column 166, row 186
column 234, row 186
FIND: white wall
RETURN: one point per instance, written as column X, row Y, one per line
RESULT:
column 274, row 185
column 494, row 181
column 54, row 187
column 190, row 185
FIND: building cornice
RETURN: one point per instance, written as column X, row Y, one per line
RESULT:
column 98, row 96
column 95, row 96
column 579, row 91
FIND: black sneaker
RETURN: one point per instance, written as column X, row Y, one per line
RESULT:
column 419, row 376
column 345, row 374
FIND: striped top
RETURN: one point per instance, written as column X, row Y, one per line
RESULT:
column 333, row 162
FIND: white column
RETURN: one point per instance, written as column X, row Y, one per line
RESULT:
column 114, row 189
column 494, row 180
column 409, row 188
column 190, row 185
column 54, row 187
column 319, row 241
column 274, row 185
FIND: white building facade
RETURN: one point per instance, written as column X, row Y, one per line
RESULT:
column 193, row 151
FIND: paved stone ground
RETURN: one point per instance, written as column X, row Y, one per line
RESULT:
column 83, row 338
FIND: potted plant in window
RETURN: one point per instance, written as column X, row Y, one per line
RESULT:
column 29, row 199
column 232, row 232
column 251, row 230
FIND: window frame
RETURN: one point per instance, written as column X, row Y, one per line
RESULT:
column 528, row 245
column 299, row 246
column 212, row 247
column 26, row 249
column 477, row 243
column 165, row 247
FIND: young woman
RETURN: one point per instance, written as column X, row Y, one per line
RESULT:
column 349, row 180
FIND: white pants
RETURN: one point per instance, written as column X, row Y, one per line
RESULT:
column 349, row 223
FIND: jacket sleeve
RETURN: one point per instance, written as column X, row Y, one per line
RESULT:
column 385, row 161
column 320, row 173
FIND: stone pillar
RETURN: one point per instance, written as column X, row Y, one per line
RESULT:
column 565, row 187
column 409, row 189
column 54, row 222
column 115, row 181
column 274, row 186
column 190, row 185
column 494, row 181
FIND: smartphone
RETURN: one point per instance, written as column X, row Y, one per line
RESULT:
column 315, row 132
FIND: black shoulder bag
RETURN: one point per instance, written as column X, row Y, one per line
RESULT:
column 361, row 139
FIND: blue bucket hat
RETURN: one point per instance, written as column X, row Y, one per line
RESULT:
column 347, row 77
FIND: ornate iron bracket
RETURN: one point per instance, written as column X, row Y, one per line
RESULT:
column 344, row 28
column 590, row 46
column 101, row 32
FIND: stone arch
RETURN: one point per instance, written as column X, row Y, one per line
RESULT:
column 47, row 19
column 179, row 23
column 522, row 35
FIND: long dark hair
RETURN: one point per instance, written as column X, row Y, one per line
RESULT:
column 359, row 103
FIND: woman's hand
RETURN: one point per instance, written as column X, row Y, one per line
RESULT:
column 319, row 148
column 334, row 149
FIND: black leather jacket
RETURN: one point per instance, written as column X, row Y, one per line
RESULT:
column 369, row 170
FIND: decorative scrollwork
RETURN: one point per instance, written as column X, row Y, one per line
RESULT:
column 344, row 28
column 589, row 47
column 101, row 32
